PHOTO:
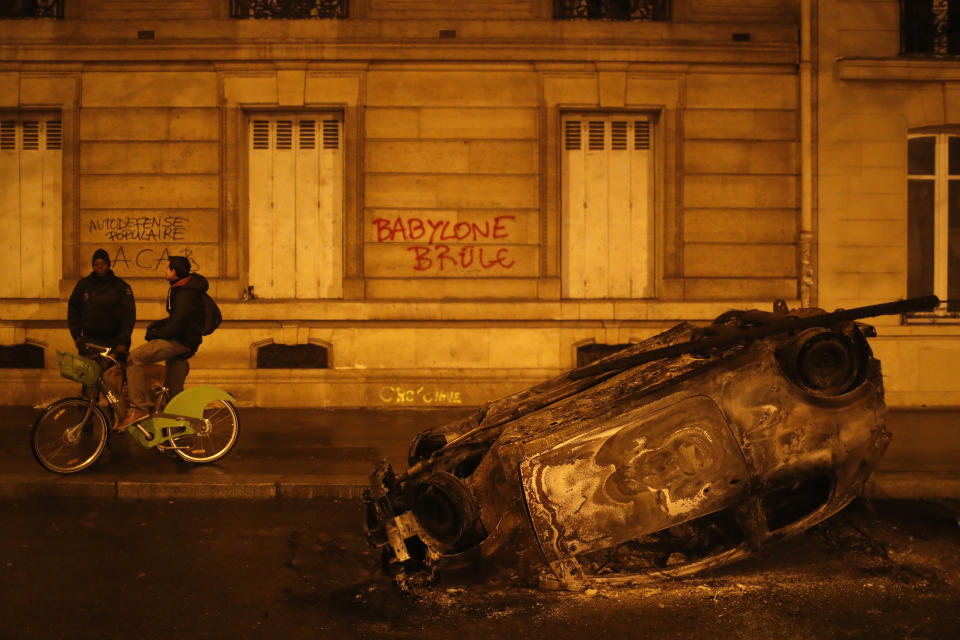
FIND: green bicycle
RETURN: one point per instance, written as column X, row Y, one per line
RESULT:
column 199, row 424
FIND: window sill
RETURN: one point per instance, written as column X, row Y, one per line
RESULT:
column 904, row 69
column 945, row 318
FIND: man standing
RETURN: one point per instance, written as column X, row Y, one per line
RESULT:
column 101, row 308
column 172, row 339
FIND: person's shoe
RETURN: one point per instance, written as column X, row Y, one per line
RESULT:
column 133, row 416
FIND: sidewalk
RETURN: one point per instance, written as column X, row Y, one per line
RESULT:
column 280, row 453
column 308, row 453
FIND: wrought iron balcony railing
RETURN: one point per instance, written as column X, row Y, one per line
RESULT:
column 930, row 27
column 31, row 9
column 288, row 9
column 611, row 9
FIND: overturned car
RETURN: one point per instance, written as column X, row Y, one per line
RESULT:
column 687, row 451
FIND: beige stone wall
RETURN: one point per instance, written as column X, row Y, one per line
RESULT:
column 869, row 99
column 452, row 230
column 451, row 182
column 150, row 182
column 741, row 161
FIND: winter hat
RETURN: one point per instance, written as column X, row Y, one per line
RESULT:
column 100, row 254
column 180, row 265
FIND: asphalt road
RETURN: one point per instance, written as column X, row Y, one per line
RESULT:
column 155, row 569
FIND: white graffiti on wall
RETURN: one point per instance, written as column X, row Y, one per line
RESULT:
column 395, row 394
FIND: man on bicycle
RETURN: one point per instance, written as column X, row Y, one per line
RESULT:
column 172, row 339
column 101, row 308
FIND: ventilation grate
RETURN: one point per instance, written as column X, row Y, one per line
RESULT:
column 293, row 356
column 31, row 135
column 331, row 134
column 8, row 134
column 596, row 135
column 618, row 135
column 284, row 134
column 308, row 134
column 572, row 140
column 641, row 135
column 261, row 134
column 54, row 135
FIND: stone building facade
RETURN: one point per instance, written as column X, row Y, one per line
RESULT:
column 889, row 111
column 435, row 202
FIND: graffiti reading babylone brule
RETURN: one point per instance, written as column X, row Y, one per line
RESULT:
column 440, row 244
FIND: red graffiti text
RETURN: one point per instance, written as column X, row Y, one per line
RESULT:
column 431, row 231
column 444, row 258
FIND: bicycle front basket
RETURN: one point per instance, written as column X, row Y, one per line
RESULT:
column 78, row 368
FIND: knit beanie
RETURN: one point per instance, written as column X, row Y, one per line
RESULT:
column 180, row 266
column 100, row 254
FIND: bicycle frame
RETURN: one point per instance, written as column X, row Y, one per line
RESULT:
column 199, row 425
column 182, row 416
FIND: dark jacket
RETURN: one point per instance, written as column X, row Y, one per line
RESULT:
column 186, row 311
column 102, row 310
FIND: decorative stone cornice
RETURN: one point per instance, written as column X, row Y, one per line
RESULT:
column 898, row 69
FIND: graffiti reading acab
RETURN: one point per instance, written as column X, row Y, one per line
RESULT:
column 151, row 259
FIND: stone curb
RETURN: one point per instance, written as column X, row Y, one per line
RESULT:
column 889, row 485
column 153, row 489
column 913, row 485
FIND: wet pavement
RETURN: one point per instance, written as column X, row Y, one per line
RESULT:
column 301, row 569
column 309, row 453
column 285, row 453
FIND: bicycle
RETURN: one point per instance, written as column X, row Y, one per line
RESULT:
column 199, row 424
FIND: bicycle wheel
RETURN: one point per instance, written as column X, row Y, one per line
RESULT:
column 62, row 442
column 214, row 438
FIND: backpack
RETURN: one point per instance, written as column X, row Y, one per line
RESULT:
column 211, row 315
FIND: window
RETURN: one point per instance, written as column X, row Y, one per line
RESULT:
column 296, row 205
column 288, row 9
column 31, row 9
column 929, row 27
column 607, row 194
column 611, row 9
column 30, row 204
column 933, row 213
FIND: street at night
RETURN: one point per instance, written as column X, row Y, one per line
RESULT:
column 301, row 569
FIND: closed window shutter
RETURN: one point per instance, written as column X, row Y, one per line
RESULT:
column 607, row 207
column 295, row 206
column 31, row 224
column 308, row 134
column 8, row 135
column 572, row 135
column 618, row 135
column 285, row 134
column 641, row 140
column 261, row 134
column 597, row 129
column 31, row 135
column 54, row 135
column 331, row 134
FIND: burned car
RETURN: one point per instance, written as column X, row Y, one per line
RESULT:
column 687, row 451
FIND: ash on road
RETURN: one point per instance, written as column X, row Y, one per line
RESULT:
column 301, row 569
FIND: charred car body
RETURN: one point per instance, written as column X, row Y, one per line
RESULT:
column 687, row 451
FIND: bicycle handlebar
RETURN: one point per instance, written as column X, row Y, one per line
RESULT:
column 100, row 350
